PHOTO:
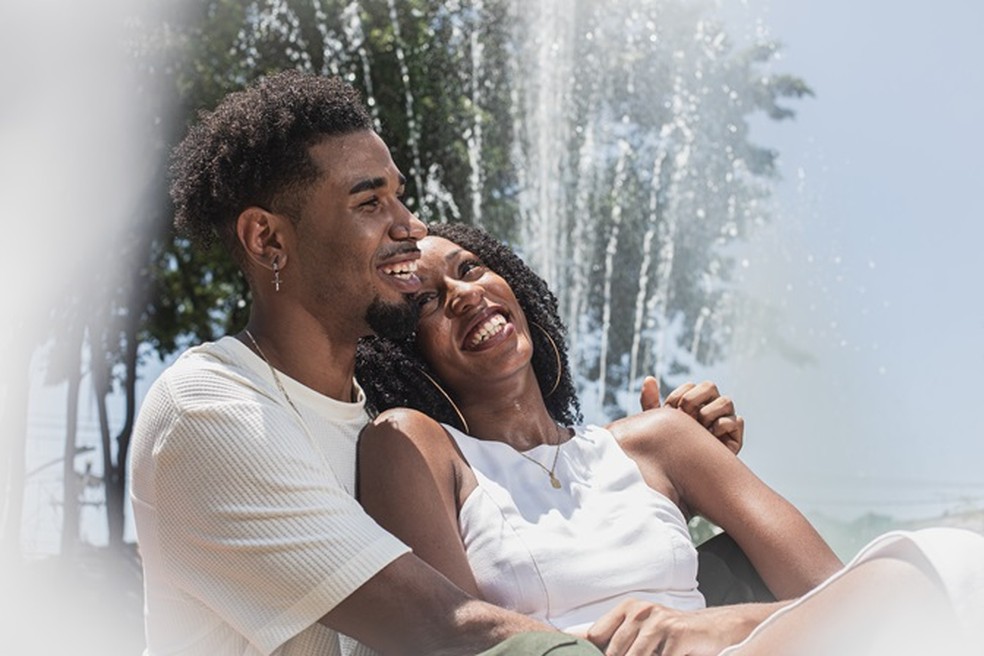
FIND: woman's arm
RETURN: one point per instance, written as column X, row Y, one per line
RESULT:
column 704, row 476
column 705, row 404
column 680, row 458
column 409, row 482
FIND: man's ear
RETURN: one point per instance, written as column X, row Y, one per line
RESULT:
column 262, row 235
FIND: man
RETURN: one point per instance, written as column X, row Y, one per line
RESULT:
column 243, row 459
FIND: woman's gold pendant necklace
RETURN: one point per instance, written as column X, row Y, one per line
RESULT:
column 554, row 481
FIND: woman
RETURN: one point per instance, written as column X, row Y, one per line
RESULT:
column 578, row 526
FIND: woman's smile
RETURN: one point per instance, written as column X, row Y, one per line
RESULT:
column 488, row 329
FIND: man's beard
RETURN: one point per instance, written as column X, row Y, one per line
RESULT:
column 392, row 320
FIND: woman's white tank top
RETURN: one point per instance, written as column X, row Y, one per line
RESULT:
column 566, row 556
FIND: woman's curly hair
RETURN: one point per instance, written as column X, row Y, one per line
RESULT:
column 392, row 372
column 252, row 149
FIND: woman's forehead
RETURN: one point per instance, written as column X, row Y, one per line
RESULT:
column 438, row 251
column 433, row 243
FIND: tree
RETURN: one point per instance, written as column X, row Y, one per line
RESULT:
column 608, row 141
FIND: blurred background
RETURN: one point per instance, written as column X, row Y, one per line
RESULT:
column 780, row 197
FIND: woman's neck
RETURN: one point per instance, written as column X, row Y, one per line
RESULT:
column 512, row 413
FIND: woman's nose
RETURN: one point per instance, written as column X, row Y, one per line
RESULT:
column 464, row 297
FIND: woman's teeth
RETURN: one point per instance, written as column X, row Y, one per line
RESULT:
column 492, row 326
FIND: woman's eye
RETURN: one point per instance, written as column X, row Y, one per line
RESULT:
column 470, row 269
column 424, row 299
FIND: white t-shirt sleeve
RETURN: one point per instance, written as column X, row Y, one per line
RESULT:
column 252, row 524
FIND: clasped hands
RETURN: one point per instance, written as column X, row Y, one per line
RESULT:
column 705, row 404
column 639, row 628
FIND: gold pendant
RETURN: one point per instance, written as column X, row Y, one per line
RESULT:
column 554, row 481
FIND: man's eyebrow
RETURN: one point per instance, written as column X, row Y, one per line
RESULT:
column 367, row 185
column 373, row 183
column 453, row 254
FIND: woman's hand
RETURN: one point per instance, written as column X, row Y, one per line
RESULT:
column 639, row 628
column 705, row 404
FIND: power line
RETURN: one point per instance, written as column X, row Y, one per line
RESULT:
column 78, row 451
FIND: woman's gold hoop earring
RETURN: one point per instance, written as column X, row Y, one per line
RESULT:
column 454, row 406
column 560, row 366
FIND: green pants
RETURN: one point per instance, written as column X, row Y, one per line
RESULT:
column 553, row 643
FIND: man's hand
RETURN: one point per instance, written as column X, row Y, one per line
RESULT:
column 637, row 628
column 649, row 396
column 704, row 403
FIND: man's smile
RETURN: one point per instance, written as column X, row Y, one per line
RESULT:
column 401, row 270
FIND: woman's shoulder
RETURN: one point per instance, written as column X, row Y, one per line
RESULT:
column 648, row 438
column 402, row 427
column 406, row 417
column 651, row 429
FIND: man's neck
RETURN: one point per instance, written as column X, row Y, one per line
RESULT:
column 302, row 349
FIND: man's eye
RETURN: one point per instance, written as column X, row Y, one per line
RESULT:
column 371, row 203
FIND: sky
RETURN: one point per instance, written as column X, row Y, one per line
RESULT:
column 872, row 258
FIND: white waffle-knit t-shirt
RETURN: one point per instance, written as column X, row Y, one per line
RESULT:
column 246, row 521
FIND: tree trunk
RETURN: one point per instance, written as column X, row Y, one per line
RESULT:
column 70, row 495
column 114, row 509
column 123, row 437
column 114, row 469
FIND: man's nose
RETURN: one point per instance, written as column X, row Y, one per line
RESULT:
column 406, row 226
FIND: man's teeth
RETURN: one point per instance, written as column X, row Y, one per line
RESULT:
column 401, row 269
column 492, row 326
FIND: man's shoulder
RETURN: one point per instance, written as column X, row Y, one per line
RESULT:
column 208, row 373
column 210, row 395
column 209, row 380
column 222, row 355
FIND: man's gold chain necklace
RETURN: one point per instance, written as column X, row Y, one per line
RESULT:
column 273, row 371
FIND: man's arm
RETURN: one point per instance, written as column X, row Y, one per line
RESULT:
column 410, row 608
column 253, row 528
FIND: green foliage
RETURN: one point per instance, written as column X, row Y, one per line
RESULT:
column 199, row 296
